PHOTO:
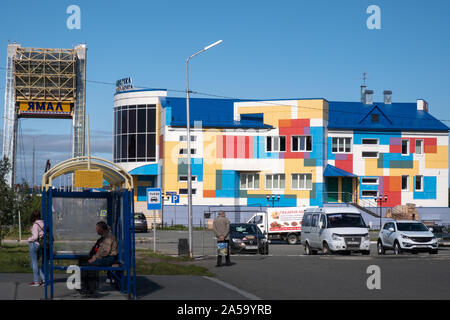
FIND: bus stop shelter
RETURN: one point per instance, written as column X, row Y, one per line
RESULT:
column 70, row 218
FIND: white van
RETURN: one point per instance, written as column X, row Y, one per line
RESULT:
column 339, row 229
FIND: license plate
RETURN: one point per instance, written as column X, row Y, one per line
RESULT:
column 251, row 247
column 353, row 243
column 421, row 245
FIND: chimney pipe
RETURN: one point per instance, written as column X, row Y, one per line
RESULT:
column 368, row 97
column 387, row 96
column 363, row 93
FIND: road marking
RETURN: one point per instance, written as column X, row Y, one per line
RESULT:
column 233, row 288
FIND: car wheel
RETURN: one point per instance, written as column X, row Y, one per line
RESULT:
column 326, row 249
column 380, row 248
column 308, row 250
column 292, row 239
column 397, row 248
column 433, row 252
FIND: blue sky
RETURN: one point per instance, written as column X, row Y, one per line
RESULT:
column 271, row 49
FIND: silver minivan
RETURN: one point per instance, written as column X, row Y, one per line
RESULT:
column 334, row 229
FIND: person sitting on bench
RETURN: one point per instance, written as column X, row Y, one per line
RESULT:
column 104, row 253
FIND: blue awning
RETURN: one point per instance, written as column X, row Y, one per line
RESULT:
column 332, row 171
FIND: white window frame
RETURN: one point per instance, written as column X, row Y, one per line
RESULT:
column 194, row 191
column 246, row 175
column 338, row 144
column 299, row 144
column 298, row 187
column 193, row 178
column 421, row 146
column 184, row 138
column 421, row 183
column 409, row 147
column 183, row 151
column 366, row 196
column 365, row 157
column 370, row 183
column 278, row 176
column 273, row 144
column 370, row 144
column 407, row 183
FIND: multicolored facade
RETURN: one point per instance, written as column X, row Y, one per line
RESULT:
column 306, row 152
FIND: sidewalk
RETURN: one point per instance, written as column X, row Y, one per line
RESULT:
column 152, row 287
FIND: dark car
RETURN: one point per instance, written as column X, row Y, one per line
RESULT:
column 441, row 232
column 140, row 222
column 246, row 238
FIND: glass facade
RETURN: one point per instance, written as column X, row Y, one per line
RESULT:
column 135, row 133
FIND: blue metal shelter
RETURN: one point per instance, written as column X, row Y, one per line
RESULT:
column 69, row 220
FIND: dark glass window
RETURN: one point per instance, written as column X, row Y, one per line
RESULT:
column 141, row 145
column 269, row 143
column 151, row 120
column 124, row 145
column 132, row 121
column 132, row 146
column 282, row 143
column 124, row 121
column 119, row 122
column 151, row 152
column 142, row 118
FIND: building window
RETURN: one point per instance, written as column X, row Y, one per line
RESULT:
column 369, row 193
column 185, row 191
column 276, row 144
column 135, row 133
column 341, row 145
column 300, row 181
column 184, row 138
column 249, row 181
column 405, row 183
column 185, row 151
column 375, row 118
column 275, row 181
column 405, row 147
column 419, row 146
column 301, row 143
column 419, row 183
column 370, row 154
column 369, row 141
column 184, row 178
column 369, row 180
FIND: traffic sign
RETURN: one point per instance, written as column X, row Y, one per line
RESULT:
column 175, row 198
column 153, row 198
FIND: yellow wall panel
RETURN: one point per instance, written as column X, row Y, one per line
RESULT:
column 372, row 169
column 438, row 160
column 272, row 113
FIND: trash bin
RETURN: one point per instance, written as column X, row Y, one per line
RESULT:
column 183, row 247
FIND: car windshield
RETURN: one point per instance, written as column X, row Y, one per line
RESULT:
column 345, row 220
column 411, row 226
column 244, row 228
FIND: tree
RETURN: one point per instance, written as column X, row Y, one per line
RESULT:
column 8, row 203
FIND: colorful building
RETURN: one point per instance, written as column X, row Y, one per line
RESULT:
column 306, row 152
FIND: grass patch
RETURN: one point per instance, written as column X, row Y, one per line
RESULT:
column 16, row 259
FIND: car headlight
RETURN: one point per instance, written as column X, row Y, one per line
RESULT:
column 336, row 237
column 237, row 240
column 366, row 237
column 405, row 236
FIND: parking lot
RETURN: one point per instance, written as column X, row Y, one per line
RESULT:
column 287, row 273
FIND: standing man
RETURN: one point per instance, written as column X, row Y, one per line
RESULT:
column 221, row 228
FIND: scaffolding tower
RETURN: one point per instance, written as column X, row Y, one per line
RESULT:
column 41, row 75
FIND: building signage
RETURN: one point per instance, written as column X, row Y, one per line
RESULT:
column 124, row 84
column 45, row 109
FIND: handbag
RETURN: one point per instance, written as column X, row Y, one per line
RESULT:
column 222, row 248
column 44, row 243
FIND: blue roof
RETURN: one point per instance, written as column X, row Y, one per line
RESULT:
column 214, row 113
column 332, row 171
column 392, row 117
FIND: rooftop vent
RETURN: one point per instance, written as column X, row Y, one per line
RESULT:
column 368, row 97
column 387, row 96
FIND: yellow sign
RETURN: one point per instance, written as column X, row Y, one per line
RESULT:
column 45, row 109
column 88, row 179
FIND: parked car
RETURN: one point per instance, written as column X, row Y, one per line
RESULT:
column 140, row 222
column 334, row 229
column 247, row 237
column 442, row 234
column 406, row 236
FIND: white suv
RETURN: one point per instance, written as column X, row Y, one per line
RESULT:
column 406, row 235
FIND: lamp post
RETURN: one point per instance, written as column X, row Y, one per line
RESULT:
column 380, row 200
column 273, row 198
column 188, row 127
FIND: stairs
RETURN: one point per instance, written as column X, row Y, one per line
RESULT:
column 370, row 212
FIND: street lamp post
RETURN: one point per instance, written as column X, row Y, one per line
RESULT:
column 380, row 200
column 273, row 198
column 188, row 127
